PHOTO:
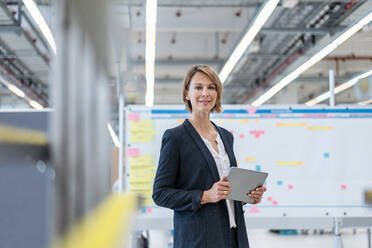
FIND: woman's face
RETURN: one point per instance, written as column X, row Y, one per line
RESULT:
column 202, row 93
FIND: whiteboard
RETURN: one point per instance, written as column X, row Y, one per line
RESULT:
column 319, row 159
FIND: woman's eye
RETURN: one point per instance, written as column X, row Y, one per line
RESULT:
column 212, row 88
column 198, row 87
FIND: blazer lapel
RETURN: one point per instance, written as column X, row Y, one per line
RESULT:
column 227, row 144
column 203, row 148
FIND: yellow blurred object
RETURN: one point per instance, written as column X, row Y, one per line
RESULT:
column 17, row 135
column 368, row 196
column 107, row 226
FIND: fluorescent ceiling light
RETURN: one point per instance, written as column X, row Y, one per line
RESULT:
column 262, row 16
column 349, row 31
column 113, row 135
column 35, row 105
column 39, row 20
column 340, row 88
column 16, row 90
column 151, row 6
column 366, row 102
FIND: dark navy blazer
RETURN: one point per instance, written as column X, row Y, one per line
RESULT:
column 186, row 168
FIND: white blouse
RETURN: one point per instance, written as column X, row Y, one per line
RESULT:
column 223, row 166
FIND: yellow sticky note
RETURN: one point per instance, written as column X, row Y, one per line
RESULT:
column 142, row 131
column 256, row 120
column 290, row 124
column 320, row 128
column 220, row 121
column 247, row 159
column 243, row 121
column 231, row 120
column 295, row 163
column 142, row 161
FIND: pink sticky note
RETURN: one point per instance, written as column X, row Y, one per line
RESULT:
column 253, row 210
column 149, row 210
column 290, row 186
column 275, row 203
column 343, row 186
column 251, row 111
column 232, row 131
column 241, row 136
column 257, row 133
column 269, row 198
column 132, row 152
column 134, row 117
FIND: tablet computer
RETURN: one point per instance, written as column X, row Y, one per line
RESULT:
column 244, row 181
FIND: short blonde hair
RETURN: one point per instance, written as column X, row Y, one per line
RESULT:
column 209, row 72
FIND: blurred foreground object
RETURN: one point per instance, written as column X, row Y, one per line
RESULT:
column 368, row 196
column 107, row 226
column 79, row 135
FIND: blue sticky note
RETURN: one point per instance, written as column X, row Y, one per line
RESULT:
column 258, row 167
column 279, row 182
column 326, row 155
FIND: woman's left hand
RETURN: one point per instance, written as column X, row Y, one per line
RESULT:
column 257, row 194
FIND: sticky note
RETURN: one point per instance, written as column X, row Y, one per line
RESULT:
column 257, row 133
column 295, row 163
column 258, row 167
column 232, row 131
column 241, row 136
column 133, row 152
column 279, row 182
column 247, row 159
column 142, row 131
column 290, row 124
column 134, row 117
column 275, row 203
column 326, row 155
column 149, row 210
column 269, row 198
column 231, row 120
column 180, row 121
column 220, row 121
column 251, row 111
column 243, row 120
column 343, row 187
column 320, row 128
column 253, row 210
column 142, row 161
column 256, row 120
column 290, row 186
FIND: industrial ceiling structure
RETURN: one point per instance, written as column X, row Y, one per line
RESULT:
column 24, row 58
column 206, row 32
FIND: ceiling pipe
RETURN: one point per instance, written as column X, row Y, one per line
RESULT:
column 24, row 86
column 286, row 63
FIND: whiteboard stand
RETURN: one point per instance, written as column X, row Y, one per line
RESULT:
column 369, row 237
column 337, row 241
column 331, row 88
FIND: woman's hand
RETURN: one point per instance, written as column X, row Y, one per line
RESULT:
column 219, row 191
column 256, row 194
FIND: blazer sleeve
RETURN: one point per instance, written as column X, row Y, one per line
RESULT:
column 164, row 192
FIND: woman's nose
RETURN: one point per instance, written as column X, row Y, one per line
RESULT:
column 205, row 92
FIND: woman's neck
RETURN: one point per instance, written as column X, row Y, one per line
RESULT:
column 201, row 120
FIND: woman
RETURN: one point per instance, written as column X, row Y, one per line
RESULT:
column 191, row 176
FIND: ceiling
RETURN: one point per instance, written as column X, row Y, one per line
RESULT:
column 205, row 32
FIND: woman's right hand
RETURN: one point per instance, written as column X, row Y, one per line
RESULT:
column 219, row 191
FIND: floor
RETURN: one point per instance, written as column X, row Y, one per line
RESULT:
column 261, row 238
